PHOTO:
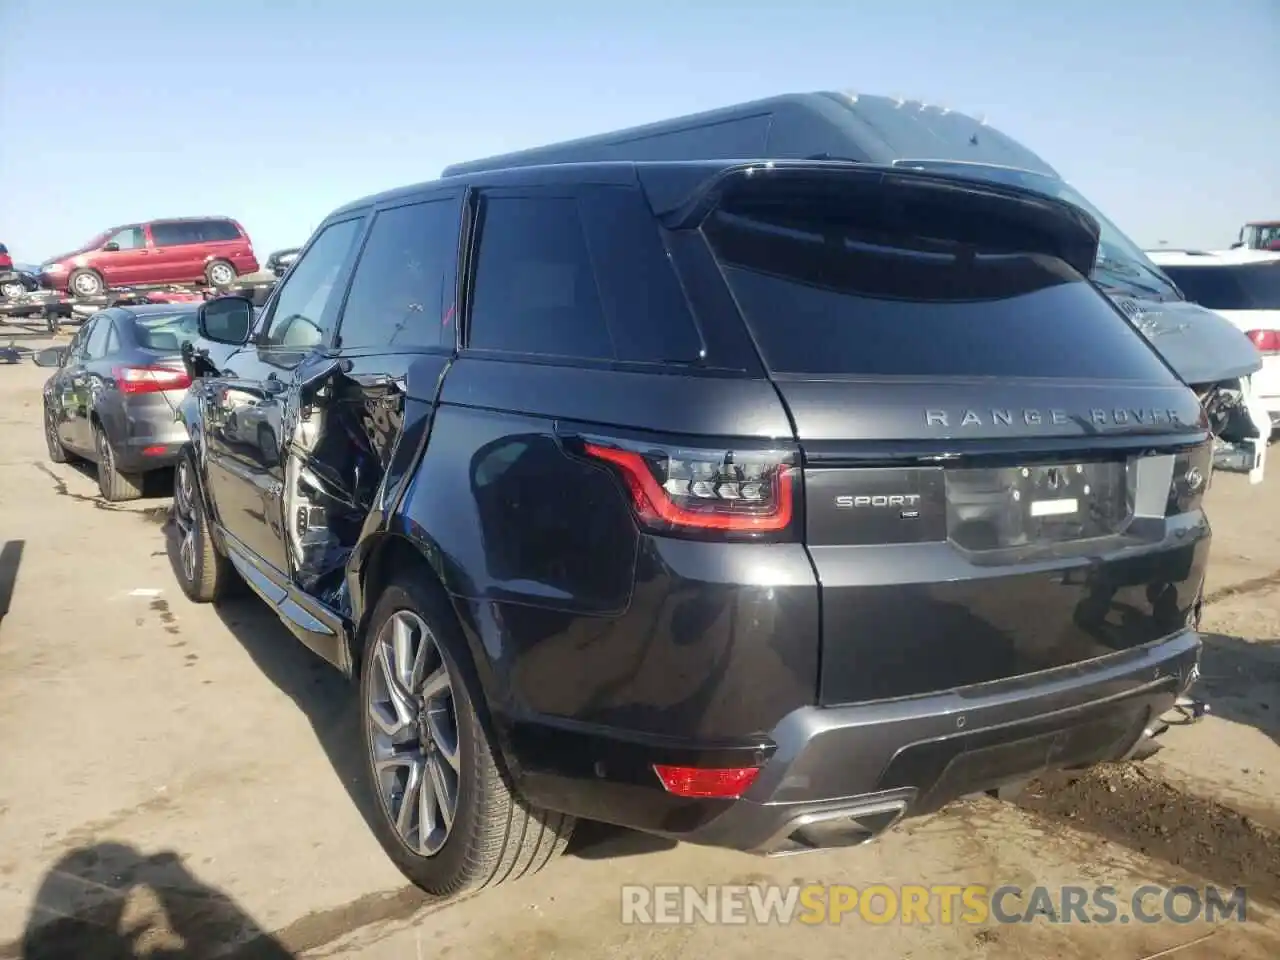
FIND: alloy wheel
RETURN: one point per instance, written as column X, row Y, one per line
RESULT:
column 221, row 274
column 87, row 285
column 184, row 516
column 413, row 733
column 12, row 290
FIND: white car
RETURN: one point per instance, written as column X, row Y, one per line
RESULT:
column 1243, row 286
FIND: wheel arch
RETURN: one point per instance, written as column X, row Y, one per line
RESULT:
column 387, row 555
column 378, row 558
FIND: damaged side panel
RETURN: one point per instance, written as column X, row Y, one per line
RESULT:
column 354, row 428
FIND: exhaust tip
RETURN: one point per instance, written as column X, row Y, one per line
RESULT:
column 843, row 827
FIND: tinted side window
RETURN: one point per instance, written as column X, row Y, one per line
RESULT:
column 96, row 345
column 171, row 234
column 218, row 231
column 647, row 312
column 534, row 290
column 831, row 285
column 298, row 317
column 398, row 294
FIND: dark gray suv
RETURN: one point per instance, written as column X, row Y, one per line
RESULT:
column 756, row 504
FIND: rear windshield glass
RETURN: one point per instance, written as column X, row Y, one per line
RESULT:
column 1255, row 286
column 164, row 333
column 829, row 287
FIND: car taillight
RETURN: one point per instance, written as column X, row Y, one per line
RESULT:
column 725, row 783
column 1267, row 341
column 675, row 489
column 150, row 379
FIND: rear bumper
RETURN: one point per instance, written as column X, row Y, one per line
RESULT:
column 839, row 776
column 141, row 454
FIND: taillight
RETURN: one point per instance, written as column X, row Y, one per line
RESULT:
column 724, row 783
column 150, row 379
column 1267, row 341
column 677, row 489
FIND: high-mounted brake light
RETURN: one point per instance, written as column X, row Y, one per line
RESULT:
column 710, row 490
column 150, row 379
column 1267, row 341
column 725, row 783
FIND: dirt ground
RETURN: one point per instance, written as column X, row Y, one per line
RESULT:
column 181, row 781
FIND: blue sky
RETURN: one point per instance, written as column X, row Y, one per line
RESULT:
column 1163, row 112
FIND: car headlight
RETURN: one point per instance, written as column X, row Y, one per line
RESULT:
column 52, row 268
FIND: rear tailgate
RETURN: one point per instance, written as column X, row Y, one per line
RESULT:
column 1001, row 476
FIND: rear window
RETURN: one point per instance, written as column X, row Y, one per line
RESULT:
column 1254, row 286
column 832, row 285
column 164, row 333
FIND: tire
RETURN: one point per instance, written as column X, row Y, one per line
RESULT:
column 495, row 835
column 203, row 573
column 86, row 283
column 12, row 289
column 57, row 452
column 220, row 273
column 114, row 485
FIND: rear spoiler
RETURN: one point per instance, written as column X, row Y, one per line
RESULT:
column 968, row 210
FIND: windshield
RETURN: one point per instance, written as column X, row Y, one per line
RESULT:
column 165, row 332
column 1254, row 286
column 1119, row 258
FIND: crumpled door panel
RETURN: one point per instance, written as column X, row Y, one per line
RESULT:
column 340, row 433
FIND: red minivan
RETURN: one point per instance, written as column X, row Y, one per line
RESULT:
column 213, row 250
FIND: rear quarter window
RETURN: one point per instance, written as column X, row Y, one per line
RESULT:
column 825, row 292
column 582, row 276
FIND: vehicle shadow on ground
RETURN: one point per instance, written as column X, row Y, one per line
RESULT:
column 329, row 703
column 1240, row 680
column 155, row 484
column 10, row 561
column 110, row 901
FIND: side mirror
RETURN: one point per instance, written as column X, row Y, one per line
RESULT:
column 226, row 320
column 110, row 246
column 50, row 357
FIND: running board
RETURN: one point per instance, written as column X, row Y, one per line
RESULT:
column 317, row 628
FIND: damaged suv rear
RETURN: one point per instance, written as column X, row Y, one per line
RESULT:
column 750, row 504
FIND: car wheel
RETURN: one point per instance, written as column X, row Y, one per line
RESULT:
column 203, row 572
column 86, row 283
column 114, row 485
column 57, row 452
column 220, row 273
column 445, row 811
column 12, row 289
